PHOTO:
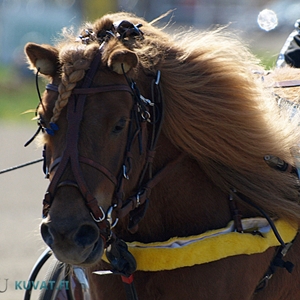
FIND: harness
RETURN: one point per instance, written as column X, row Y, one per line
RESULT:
column 122, row 259
column 210, row 246
column 144, row 114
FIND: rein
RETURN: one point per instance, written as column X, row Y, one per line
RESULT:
column 21, row 166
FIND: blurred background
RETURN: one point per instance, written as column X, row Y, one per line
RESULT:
column 40, row 21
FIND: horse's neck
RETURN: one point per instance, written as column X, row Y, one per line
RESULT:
column 184, row 203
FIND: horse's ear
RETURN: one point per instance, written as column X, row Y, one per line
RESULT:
column 122, row 61
column 42, row 57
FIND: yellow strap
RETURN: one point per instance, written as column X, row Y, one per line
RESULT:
column 209, row 246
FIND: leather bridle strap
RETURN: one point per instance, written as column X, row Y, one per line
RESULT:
column 93, row 90
column 70, row 154
column 137, row 204
column 144, row 192
column 287, row 84
column 152, row 113
column 91, row 163
column 100, row 168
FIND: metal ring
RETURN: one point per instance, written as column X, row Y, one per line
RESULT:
column 100, row 219
column 125, row 175
column 157, row 77
column 138, row 203
column 109, row 216
column 146, row 115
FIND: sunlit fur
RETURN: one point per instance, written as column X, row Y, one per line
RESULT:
column 292, row 93
column 220, row 110
column 217, row 110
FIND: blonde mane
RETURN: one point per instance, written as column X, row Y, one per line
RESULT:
column 75, row 61
column 216, row 109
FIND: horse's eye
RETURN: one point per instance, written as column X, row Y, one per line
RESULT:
column 119, row 126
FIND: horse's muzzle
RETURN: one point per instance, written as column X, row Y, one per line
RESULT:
column 78, row 246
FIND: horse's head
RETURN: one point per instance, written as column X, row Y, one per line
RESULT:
column 94, row 123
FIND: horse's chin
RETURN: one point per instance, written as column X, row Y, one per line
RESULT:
column 86, row 258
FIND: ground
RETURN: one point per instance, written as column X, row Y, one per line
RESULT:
column 21, row 194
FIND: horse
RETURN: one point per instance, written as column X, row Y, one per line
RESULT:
column 170, row 163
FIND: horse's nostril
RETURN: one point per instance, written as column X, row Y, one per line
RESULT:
column 46, row 234
column 86, row 235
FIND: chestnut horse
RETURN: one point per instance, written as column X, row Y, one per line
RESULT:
column 150, row 137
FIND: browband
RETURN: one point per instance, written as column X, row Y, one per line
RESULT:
column 94, row 90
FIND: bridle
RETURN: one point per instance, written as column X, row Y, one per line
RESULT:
column 71, row 156
column 145, row 115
